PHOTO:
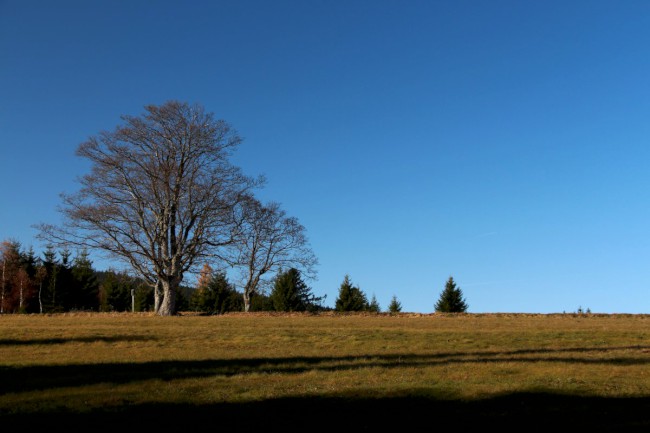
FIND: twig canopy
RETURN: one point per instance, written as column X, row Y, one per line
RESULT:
column 161, row 195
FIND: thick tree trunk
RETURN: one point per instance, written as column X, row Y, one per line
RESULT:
column 247, row 302
column 168, row 304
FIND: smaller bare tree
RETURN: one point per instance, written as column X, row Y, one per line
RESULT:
column 268, row 241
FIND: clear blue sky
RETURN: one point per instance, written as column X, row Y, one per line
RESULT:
column 504, row 143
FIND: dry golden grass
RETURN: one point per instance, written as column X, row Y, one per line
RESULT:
column 476, row 365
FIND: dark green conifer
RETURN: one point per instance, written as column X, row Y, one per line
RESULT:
column 373, row 306
column 350, row 298
column 291, row 293
column 395, row 306
column 451, row 299
column 85, row 288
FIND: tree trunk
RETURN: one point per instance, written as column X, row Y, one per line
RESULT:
column 40, row 302
column 168, row 304
column 2, row 297
column 157, row 296
column 21, row 295
column 247, row 302
column 54, row 291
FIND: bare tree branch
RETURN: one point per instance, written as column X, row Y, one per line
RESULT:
column 267, row 242
column 160, row 194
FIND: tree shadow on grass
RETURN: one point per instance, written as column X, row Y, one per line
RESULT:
column 521, row 412
column 42, row 377
column 88, row 339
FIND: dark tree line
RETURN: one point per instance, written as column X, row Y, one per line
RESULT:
column 57, row 282
column 20, row 277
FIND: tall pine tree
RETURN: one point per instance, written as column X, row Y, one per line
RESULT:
column 85, row 288
column 290, row 293
column 451, row 299
column 115, row 292
column 48, row 286
column 351, row 298
column 395, row 306
column 64, row 300
column 374, row 306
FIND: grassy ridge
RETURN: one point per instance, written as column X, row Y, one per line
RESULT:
column 247, row 371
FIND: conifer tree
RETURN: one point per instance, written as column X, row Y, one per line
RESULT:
column 451, row 299
column 350, row 298
column 85, row 288
column 373, row 306
column 395, row 306
column 64, row 282
column 291, row 293
column 225, row 297
column 205, row 276
column 49, row 285
column 115, row 292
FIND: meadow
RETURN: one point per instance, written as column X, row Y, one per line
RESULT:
column 299, row 372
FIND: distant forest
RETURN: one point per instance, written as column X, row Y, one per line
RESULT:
column 57, row 282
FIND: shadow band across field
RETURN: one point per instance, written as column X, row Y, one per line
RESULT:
column 520, row 412
column 43, row 377
column 89, row 339
column 360, row 410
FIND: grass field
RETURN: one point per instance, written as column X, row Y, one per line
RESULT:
column 248, row 372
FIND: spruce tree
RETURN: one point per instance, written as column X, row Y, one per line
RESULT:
column 85, row 288
column 350, row 298
column 64, row 283
column 287, row 288
column 290, row 293
column 49, row 284
column 115, row 292
column 395, row 306
column 27, row 278
column 374, row 305
column 451, row 299
column 223, row 295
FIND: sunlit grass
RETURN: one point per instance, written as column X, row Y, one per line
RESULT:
column 96, row 362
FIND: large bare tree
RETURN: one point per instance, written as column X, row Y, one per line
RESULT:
column 268, row 241
column 161, row 195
